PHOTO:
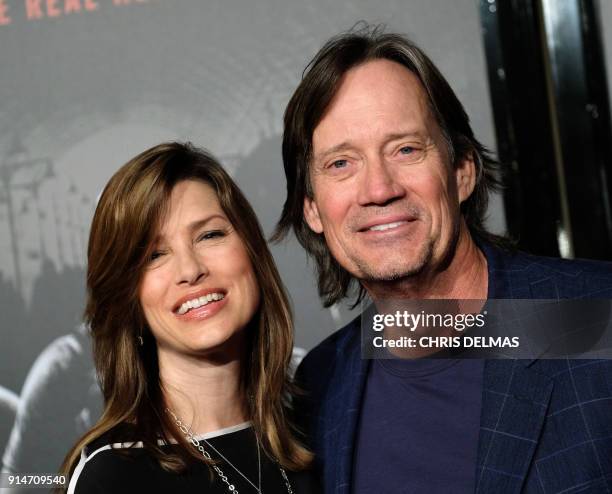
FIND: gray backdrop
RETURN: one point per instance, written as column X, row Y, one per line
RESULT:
column 83, row 92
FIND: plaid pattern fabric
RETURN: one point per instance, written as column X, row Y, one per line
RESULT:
column 546, row 425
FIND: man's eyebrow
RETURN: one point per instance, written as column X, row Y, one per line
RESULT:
column 343, row 146
column 402, row 135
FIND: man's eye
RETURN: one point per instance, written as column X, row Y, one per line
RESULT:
column 339, row 164
column 211, row 234
column 407, row 150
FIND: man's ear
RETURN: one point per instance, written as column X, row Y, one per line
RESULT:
column 465, row 174
column 311, row 215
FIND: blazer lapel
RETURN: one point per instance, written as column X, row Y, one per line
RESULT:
column 515, row 396
column 515, row 403
column 348, row 387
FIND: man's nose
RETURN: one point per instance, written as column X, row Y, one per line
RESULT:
column 191, row 267
column 378, row 185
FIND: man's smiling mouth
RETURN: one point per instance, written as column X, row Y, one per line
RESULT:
column 386, row 226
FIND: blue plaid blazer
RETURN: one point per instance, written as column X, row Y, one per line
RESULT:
column 546, row 425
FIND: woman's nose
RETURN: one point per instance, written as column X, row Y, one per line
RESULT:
column 190, row 267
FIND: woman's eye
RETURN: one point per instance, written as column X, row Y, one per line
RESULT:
column 211, row 234
column 155, row 255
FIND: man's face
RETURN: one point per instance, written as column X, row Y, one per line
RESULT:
column 384, row 193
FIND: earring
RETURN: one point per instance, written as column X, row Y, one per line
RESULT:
column 140, row 340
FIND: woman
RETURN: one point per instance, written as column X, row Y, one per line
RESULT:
column 192, row 337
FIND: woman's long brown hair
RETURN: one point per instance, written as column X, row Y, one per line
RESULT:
column 125, row 223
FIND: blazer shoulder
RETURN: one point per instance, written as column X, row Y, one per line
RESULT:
column 317, row 367
column 573, row 277
column 314, row 376
column 324, row 354
column 525, row 275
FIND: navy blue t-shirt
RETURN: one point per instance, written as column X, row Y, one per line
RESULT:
column 418, row 429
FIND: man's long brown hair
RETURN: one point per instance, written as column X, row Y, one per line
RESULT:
column 320, row 82
column 124, row 226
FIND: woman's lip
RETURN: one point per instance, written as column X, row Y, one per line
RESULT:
column 198, row 294
column 203, row 312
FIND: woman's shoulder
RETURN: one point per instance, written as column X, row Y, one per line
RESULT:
column 110, row 463
column 120, row 436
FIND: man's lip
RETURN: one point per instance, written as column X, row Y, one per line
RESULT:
column 198, row 294
column 385, row 221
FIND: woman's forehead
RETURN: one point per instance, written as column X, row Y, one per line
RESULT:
column 191, row 202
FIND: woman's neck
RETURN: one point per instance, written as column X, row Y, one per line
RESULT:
column 205, row 394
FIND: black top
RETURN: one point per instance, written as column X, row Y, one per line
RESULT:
column 105, row 468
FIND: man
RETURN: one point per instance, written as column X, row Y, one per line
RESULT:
column 387, row 189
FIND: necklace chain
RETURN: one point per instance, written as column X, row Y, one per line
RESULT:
column 258, row 487
column 231, row 487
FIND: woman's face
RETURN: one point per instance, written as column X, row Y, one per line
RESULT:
column 199, row 289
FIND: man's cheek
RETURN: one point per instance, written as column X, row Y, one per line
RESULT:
column 332, row 213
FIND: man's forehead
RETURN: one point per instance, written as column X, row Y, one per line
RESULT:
column 378, row 73
column 379, row 96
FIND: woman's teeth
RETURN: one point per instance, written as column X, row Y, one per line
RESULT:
column 199, row 302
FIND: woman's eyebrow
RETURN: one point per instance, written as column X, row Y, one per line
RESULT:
column 197, row 224
column 193, row 226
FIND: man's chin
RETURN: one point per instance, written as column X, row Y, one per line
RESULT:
column 394, row 268
column 390, row 274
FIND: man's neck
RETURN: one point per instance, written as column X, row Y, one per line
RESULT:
column 465, row 277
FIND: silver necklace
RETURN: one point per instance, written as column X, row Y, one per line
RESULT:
column 258, row 487
column 191, row 439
